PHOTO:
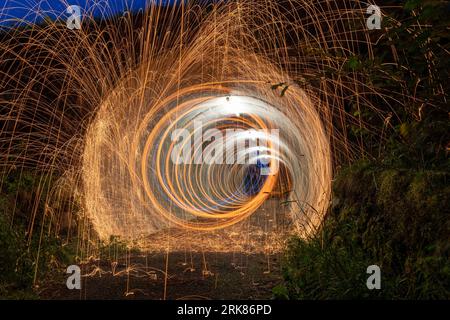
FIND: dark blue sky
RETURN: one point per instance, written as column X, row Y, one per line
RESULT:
column 35, row 10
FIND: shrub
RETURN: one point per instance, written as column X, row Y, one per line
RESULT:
column 394, row 218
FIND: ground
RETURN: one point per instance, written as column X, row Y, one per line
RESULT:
column 240, row 262
column 223, row 276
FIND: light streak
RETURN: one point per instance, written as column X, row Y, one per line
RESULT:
column 97, row 107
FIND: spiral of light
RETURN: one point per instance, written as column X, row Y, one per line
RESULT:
column 141, row 117
column 183, row 159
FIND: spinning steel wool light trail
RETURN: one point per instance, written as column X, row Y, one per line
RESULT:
column 216, row 78
column 99, row 108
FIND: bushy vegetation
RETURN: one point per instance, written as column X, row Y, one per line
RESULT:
column 394, row 218
column 390, row 208
column 26, row 259
column 391, row 212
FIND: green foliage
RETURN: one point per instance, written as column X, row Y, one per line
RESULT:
column 392, row 210
column 353, row 63
column 408, row 68
column 419, row 144
column 394, row 218
column 114, row 248
column 15, row 264
column 392, row 213
column 25, row 258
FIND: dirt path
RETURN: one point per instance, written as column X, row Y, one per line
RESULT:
column 200, row 276
column 240, row 262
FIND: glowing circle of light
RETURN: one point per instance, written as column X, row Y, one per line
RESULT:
column 144, row 187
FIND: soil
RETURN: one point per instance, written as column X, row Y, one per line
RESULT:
column 190, row 276
column 240, row 262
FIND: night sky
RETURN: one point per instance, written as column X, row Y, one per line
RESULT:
column 36, row 10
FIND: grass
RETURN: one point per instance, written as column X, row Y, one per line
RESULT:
column 393, row 216
column 26, row 260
